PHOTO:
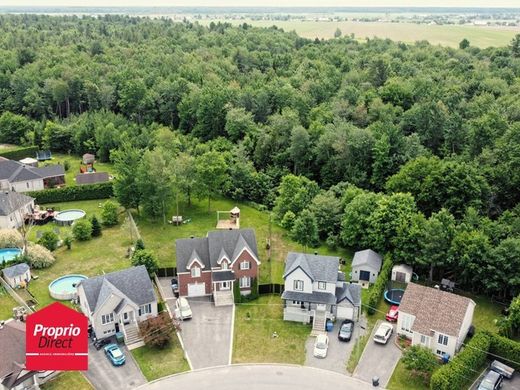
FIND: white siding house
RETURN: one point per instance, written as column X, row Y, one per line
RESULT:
column 13, row 209
column 17, row 275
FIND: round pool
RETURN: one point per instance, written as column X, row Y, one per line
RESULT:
column 394, row 296
column 8, row 254
column 64, row 288
column 67, row 217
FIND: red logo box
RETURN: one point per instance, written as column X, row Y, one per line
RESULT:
column 57, row 339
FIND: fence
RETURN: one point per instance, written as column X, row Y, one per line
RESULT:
column 15, row 296
column 167, row 272
column 134, row 231
column 271, row 288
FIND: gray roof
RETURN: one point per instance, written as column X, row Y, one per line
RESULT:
column 134, row 283
column 317, row 267
column 184, row 249
column 350, row 292
column 12, row 345
column 15, row 171
column 91, row 178
column 50, row 171
column 315, row 297
column 367, row 257
column 222, row 276
column 16, row 270
column 11, row 201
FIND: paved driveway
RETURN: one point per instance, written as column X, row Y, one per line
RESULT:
column 103, row 375
column 507, row 384
column 338, row 353
column 378, row 360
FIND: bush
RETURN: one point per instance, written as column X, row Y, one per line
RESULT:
column 82, row 230
column 68, row 241
column 66, row 165
column 147, row 258
column 73, row 193
column 10, row 238
column 49, row 240
column 18, row 154
column 420, row 361
column 236, row 293
column 377, row 290
column 109, row 213
column 38, row 257
column 332, row 241
column 454, row 375
column 507, row 349
column 96, row 226
column 288, row 220
column 157, row 331
column 139, row 244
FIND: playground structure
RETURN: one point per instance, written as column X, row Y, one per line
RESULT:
column 229, row 224
column 87, row 163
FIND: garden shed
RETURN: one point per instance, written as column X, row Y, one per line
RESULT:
column 402, row 273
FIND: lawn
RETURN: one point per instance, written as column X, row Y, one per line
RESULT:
column 486, row 312
column 253, row 341
column 156, row 363
column 68, row 380
column 6, row 304
column 161, row 237
column 402, row 379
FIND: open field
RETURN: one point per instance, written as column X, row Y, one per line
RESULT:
column 446, row 35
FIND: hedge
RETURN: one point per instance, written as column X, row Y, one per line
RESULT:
column 18, row 154
column 73, row 193
column 506, row 348
column 377, row 290
column 458, row 373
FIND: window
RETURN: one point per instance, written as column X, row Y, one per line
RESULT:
column 145, row 309
column 107, row 318
column 298, row 285
column 245, row 265
column 322, row 286
column 406, row 323
column 27, row 184
column 245, row 282
column 424, row 340
column 195, row 272
column 443, row 340
column 439, row 352
column 224, row 265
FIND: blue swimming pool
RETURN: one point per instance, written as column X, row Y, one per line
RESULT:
column 8, row 254
column 64, row 288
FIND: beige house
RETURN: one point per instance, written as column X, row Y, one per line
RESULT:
column 435, row 319
column 13, row 209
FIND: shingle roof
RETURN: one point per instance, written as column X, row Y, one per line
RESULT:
column 222, row 276
column 134, row 283
column 184, row 249
column 434, row 309
column 350, row 292
column 15, row 270
column 368, row 256
column 11, row 201
column 12, row 345
column 50, row 171
column 319, row 268
column 91, row 178
column 15, row 171
column 314, row 297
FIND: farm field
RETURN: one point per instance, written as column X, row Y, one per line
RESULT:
column 447, row 35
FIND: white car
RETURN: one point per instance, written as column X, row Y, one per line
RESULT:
column 182, row 308
column 321, row 345
column 383, row 333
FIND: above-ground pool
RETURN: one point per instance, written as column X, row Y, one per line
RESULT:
column 8, row 254
column 66, row 217
column 394, row 296
column 64, row 288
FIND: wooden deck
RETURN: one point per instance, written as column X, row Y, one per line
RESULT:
column 227, row 224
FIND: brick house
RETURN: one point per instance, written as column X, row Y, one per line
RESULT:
column 210, row 265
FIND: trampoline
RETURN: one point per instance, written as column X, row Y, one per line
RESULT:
column 394, row 296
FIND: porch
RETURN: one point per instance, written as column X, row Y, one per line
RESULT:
column 222, row 283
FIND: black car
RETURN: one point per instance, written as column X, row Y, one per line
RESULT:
column 175, row 285
column 492, row 381
column 345, row 330
column 98, row 344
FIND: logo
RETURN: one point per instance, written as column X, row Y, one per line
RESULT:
column 56, row 339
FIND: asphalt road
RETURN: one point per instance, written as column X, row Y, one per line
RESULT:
column 258, row 377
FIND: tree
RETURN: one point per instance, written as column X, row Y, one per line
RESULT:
column 139, row 244
column 295, row 194
column 503, row 268
column 239, row 123
column 300, row 150
column 126, row 162
column 420, row 361
column 67, row 241
column 211, row 172
column 147, row 258
column 515, row 46
column 96, row 226
column 110, row 214
column 305, row 230
column 49, row 240
column 82, row 230
column 464, row 44
column 186, row 174
column 14, row 129
column 157, row 331
column 337, row 33
column 356, row 221
column 328, row 212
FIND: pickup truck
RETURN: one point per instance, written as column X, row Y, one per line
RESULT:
column 502, row 369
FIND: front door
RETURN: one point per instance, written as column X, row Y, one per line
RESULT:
column 225, row 285
column 126, row 318
column 117, row 327
column 321, row 307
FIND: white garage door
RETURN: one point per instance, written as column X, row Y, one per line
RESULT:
column 346, row 313
column 196, row 289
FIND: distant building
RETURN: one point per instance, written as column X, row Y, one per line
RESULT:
column 13, row 209
column 17, row 274
column 366, row 266
column 15, row 176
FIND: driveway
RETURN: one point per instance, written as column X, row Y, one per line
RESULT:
column 378, row 360
column 103, row 375
column 258, row 377
column 338, row 353
column 507, row 384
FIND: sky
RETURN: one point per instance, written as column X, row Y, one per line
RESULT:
column 266, row 3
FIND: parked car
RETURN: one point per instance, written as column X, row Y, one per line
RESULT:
column 115, row 355
column 345, row 330
column 321, row 345
column 383, row 333
column 492, row 381
column 98, row 344
column 182, row 309
column 393, row 313
column 175, row 286
column 502, row 369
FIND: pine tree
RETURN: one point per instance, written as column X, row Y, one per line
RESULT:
column 96, row 226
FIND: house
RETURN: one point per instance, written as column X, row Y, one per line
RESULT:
column 212, row 264
column 315, row 290
column 13, row 209
column 366, row 266
column 117, row 302
column 402, row 273
column 435, row 319
column 92, row 178
column 17, row 275
column 15, row 176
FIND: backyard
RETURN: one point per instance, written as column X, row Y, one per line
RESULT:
column 68, row 380
column 6, row 304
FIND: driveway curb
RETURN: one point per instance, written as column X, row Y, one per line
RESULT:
column 231, row 338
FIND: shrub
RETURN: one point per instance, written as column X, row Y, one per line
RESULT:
column 139, row 244
column 96, row 226
column 332, row 241
column 147, row 258
column 157, row 331
column 82, row 230
column 507, row 349
column 18, row 154
column 49, row 240
column 288, row 220
column 10, row 238
column 38, row 257
column 377, row 290
column 68, row 241
column 420, row 361
column 109, row 213
column 73, row 193
column 236, row 293
column 66, row 165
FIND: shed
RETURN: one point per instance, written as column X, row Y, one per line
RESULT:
column 366, row 265
column 29, row 161
column 402, row 273
column 17, row 275
column 89, row 158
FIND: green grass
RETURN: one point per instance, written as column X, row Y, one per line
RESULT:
column 486, row 312
column 156, row 363
column 6, row 304
column 68, row 380
column 403, row 379
column 255, row 323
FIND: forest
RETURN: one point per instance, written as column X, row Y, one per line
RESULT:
column 410, row 149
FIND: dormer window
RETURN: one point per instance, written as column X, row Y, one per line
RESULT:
column 195, row 272
column 322, row 286
column 224, row 265
column 298, row 285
